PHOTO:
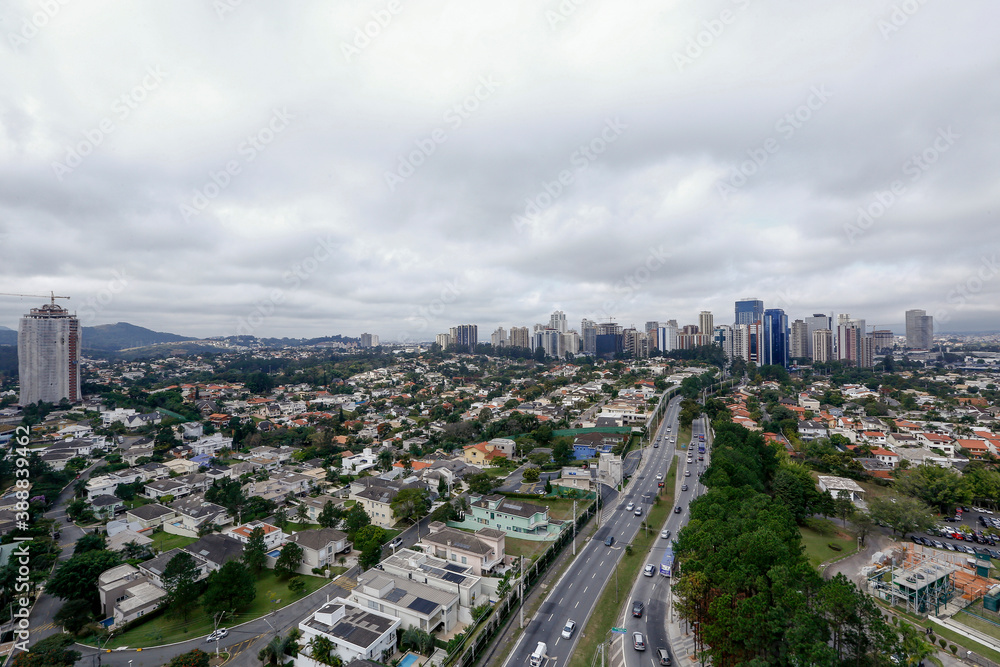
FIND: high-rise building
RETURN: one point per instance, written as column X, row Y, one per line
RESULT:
column 749, row 311
column 557, row 321
column 519, row 337
column 722, row 335
column 883, row 340
column 747, row 342
column 688, row 341
column 588, row 336
column 690, row 329
column 569, row 343
column 369, row 340
column 706, row 322
column 854, row 346
column 444, row 341
column 798, row 341
column 817, row 321
column 499, row 338
column 466, row 337
column 48, row 355
column 775, row 346
column 609, row 339
column 919, row 330
column 822, row 345
column 666, row 337
column 548, row 340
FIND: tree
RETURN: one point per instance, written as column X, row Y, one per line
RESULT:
column 411, row 504
column 90, row 542
column 193, row 658
column 288, row 560
column 301, row 513
column 902, row 514
column 296, row 585
column 482, row 483
column 49, row 652
column 180, row 582
column 255, row 551
column 943, row 488
column 532, row 474
column 356, row 519
column 321, row 650
column 331, row 515
column 76, row 578
column 73, row 615
column 281, row 518
column 230, row 588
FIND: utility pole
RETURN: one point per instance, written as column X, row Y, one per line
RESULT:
column 521, row 610
column 574, row 527
column 218, row 617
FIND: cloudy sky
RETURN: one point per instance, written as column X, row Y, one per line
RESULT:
column 311, row 168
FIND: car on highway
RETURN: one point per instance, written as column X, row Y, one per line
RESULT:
column 687, row 473
column 638, row 511
column 677, row 510
column 684, row 487
column 637, row 608
column 690, row 460
column 630, row 507
column 665, row 535
column 648, row 570
column 609, row 541
column 638, row 642
column 663, row 656
column 217, row 634
column 568, row 629
column 659, row 475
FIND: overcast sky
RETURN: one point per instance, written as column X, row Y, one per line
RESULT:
column 314, row 168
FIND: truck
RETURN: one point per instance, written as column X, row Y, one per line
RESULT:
column 701, row 447
column 667, row 564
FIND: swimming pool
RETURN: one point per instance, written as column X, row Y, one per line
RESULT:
column 408, row 660
column 275, row 553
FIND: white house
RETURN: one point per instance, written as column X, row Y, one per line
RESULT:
column 356, row 633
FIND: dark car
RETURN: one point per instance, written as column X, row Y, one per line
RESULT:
column 610, row 540
column 677, row 510
column 637, row 608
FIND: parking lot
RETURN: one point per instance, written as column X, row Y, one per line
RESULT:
column 976, row 531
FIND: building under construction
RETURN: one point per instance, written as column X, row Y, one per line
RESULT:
column 927, row 581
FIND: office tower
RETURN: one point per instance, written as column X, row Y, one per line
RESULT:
column 548, row 340
column 689, row 329
column 706, row 322
column 569, row 342
column 557, row 321
column 798, row 341
column 775, row 346
column 651, row 327
column 822, row 345
column 817, row 321
column 466, row 337
column 48, row 355
column 609, row 339
column 369, row 340
column 519, row 337
column 722, row 335
column 747, row 341
column 749, row 311
column 919, row 330
column 883, row 341
column 499, row 338
column 666, row 337
column 688, row 341
column 588, row 336
column 853, row 345
column 444, row 341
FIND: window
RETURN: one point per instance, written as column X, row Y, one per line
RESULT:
column 464, row 561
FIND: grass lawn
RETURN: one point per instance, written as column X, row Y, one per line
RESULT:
column 562, row 509
column 530, row 549
column 944, row 633
column 166, row 628
column 683, row 437
column 817, row 545
column 977, row 621
column 610, row 604
column 294, row 527
column 164, row 541
column 138, row 501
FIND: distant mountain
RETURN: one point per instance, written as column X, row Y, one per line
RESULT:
column 115, row 337
column 8, row 336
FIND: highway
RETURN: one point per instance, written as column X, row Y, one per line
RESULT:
column 575, row 594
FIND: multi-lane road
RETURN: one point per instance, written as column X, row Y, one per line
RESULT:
column 575, row 594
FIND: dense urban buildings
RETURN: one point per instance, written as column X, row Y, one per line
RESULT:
column 48, row 354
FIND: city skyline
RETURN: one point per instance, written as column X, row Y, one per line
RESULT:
column 398, row 172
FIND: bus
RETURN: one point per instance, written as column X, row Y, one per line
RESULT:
column 667, row 564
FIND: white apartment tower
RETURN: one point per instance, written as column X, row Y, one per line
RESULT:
column 48, row 355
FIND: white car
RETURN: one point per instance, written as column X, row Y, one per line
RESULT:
column 687, row 473
column 665, row 535
column 568, row 629
column 659, row 475
column 630, row 507
column 649, row 570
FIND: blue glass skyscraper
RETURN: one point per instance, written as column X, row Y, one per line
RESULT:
column 775, row 347
column 749, row 311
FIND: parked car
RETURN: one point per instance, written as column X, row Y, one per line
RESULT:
column 638, row 642
column 567, row 631
column 637, row 608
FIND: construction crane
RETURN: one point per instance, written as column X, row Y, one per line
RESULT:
column 51, row 295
